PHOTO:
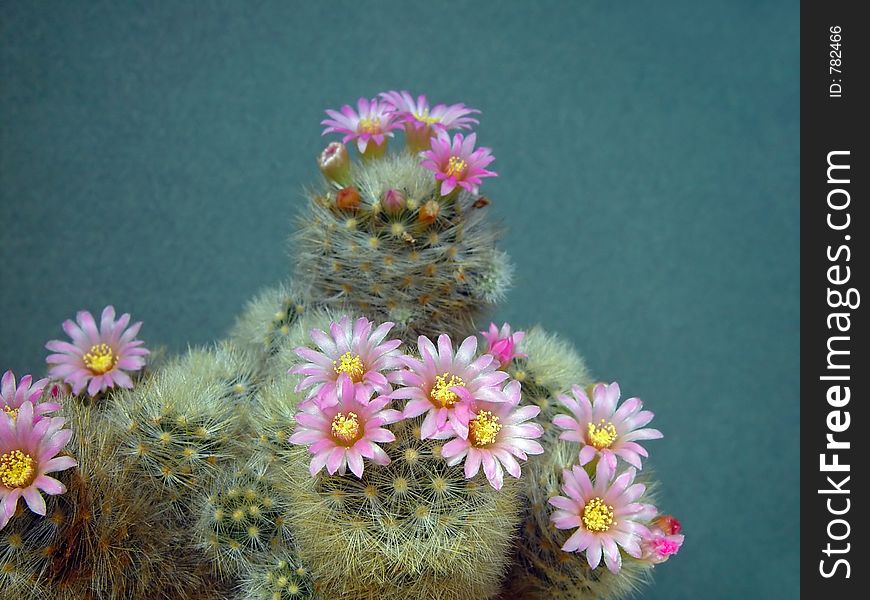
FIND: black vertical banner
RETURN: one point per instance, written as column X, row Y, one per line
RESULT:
column 834, row 339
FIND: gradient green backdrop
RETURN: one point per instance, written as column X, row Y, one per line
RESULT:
column 152, row 155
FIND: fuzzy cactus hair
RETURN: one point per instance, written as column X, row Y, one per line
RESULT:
column 427, row 263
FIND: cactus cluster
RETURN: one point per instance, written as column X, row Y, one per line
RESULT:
column 350, row 439
column 104, row 538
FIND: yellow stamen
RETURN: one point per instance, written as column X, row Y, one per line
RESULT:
column 601, row 435
column 346, row 429
column 456, row 167
column 16, row 469
column 367, row 125
column 425, row 118
column 100, row 359
column 483, row 429
column 597, row 516
column 441, row 394
column 350, row 364
column 12, row 412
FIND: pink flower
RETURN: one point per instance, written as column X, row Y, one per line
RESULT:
column 502, row 344
column 28, row 452
column 422, row 122
column 604, row 431
column 457, row 163
column 497, row 436
column 352, row 349
column 606, row 514
column 347, row 430
column 97, row 358
column 445, row 386
column 12, row 396
column 663, row 541
column 371, row 122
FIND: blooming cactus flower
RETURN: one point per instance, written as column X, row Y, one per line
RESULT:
column 370, row 125
column 27, row 390
column 606, row 514
column 422, row 122
column 456, row 163
column 346, row 430
column 503, row 344
column 498, row 435
column 352, row 349
column 97, row 358
column 602, row 429
column 28, row 453
column 663, row 541
column 444, row 385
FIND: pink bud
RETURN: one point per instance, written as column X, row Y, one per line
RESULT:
column 334, row 163
column 669, row 524
column 394, row 201
column 502, row 344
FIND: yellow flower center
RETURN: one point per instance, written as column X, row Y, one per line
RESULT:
column 16, row 469
column 12, row 412
column 346, row 429
column 441, row 395
column 425, row 118
column 601, row 435
column 100, row 359
column 367, row 125
column 350, row 364
column 483, row 429
column 456, row 167
column 597, row 516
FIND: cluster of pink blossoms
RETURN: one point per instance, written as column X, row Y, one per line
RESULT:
column 599, row 501
column 454, row 161
column 466, row 399
column 30, row 441
column 98, row 357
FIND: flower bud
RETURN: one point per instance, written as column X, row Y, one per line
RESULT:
column 393, row 201
column 669, row 524
column 334, row 163
column 347, row 198
column 429, row 212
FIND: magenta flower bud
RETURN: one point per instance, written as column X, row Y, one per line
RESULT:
column 393, row 201
column 503, row 344
column 334, row 163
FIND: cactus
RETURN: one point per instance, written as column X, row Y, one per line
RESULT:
column 541, row 570
column 104, row 538
column 181, row 426
column 220, row 474
column 242, row 519
column 283, row 577
column 266, row 320
column 414, row 529
column 429, row 264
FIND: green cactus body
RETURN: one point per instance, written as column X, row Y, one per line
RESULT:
column 413, row 529
column 182, row 426
column 261, row 328
column 104, row 539
column 242, row 519
column 430, row 266
column 282, row 577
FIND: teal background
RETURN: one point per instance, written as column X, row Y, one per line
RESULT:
column 152, row 155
